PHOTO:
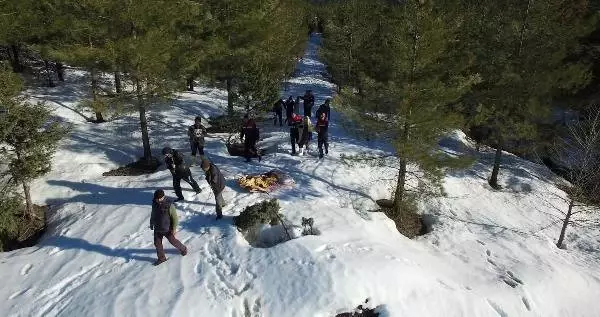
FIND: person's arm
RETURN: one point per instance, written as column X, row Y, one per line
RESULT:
column 174, row 218
column 152, row 217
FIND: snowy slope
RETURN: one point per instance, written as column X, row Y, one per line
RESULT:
column 96, row 258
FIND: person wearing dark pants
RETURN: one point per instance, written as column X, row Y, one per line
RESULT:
column 179, row 171
column 217, row 183
column 294, row 123
column 325, row 108
column 278, row 112
column 322, row 137
column 250, row 135
column 309, row 102
column 163, row 220
column 289, row 109
column 196, row 133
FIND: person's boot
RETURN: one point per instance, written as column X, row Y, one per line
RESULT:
column 193, row 160
column 159, row 261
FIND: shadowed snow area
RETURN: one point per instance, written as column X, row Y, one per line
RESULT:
column 491, row 253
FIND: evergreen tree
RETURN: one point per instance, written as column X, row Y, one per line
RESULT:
column 409, row 74
column 520, row 50
column 347, row 31
column 29, row 138
column 145, row 54
column 253, row 46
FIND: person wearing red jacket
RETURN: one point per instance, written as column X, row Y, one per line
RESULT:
column 322, row 136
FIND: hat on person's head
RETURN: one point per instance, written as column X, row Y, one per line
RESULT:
column 158, row 194
column 205, row 164
column 198, row 118
column 167, row 150
column 327, row 100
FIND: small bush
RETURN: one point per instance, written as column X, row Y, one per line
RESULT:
column 16, row 230
column 225, row 123
column 265, row 212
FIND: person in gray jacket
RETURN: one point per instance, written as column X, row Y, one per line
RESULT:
column 217, row 183
column 163, row 221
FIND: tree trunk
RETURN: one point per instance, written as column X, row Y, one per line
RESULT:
column 143, row 124
column 229, row 97
column 99, row 116
column 118, row 88
column 565, row 224
column 497, row 160
column 48, row 73
column 190, row 84
column 524, row 27
column 15, row 60
column 399, row 194
column 29, row 211
column 60, row 71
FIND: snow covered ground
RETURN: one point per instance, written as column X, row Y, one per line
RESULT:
column 491, row 253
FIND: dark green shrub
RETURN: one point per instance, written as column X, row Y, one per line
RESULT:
column 265, row 212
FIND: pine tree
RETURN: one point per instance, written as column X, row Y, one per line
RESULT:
column 87, row 45
column 347, row 30
column 29, row 138
column 409, row 74
column 252, row 45
column 145, row 54
column 520, row 50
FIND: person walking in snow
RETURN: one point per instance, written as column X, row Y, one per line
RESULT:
column 250, row 134
column 322, row 137
column 196, row 133
column 163, row 220
column 217, row 183
column 294, row 124
column 324, row 108
column 278, row 112
column 309, row 102
column 297, row 105
column 305, row 136
column 289, row 109
column 175, row 163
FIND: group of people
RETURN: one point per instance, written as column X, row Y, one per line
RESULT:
column 163, row 219
column 301, row 127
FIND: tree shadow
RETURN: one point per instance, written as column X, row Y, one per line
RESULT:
column 102, row 195
column 69, row 243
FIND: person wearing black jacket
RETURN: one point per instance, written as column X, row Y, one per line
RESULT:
column 294, row 123
column 309, row 102
column 322, row 135
column 217, row 183
column 325, row 108
column 196, row 133
column 289, row 109
column 250, row 135
column 278, row 112
column 175, row 163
